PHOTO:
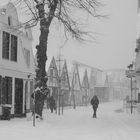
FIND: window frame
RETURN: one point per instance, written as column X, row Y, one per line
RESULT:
column 10, row 47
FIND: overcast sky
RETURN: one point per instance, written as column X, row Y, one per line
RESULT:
column 115, row 42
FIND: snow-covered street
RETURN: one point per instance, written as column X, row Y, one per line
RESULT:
column 111, row 124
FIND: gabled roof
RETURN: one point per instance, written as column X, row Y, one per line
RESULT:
column 53, row 74
column 85, row 82
column 65, row 78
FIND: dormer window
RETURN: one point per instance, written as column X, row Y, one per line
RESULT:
column 9, row 20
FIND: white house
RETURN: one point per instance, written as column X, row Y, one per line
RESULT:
column 17, row 66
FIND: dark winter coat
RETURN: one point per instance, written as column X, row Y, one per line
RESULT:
column 52, row 103
column 94, row 101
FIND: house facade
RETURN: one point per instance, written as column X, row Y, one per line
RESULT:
column 75, row 93
column 85, row 89
column 53, row 79
column 65, row 84
column 118, row 84
column 17, row 66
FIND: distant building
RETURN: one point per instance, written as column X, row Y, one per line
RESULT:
column 17, row 67
column 53, row 79
column 56, row 79
column 65, row 84
column 101, row 89
column 75, row 94
column 118, row 83
column 85, row 89
column 92, row 82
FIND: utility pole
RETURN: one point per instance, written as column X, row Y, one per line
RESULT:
column 135, row 89
column 72, row 88
column 59, row 82
column 59, row 78
column 131, row 96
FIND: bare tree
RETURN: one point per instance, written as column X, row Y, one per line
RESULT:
column 44, row 11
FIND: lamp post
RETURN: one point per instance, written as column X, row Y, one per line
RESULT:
column 62, row 103
column 59, row 82
column 130, row 67
column 59, row 77
column 73, row 94
column 59, row 88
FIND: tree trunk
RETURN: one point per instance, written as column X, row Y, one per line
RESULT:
column 42, row 47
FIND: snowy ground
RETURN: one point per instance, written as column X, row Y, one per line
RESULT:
column 112, row 124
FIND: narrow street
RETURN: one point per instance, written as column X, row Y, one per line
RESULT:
column 64, row 52
column 112, row 124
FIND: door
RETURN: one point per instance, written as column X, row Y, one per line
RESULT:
column 18, row 97
column 139, row 97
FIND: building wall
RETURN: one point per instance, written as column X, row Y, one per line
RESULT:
column 23, row 67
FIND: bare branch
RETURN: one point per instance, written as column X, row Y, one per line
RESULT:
column 63, row 13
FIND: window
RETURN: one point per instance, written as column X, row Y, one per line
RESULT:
column 26, row 34
column 9, row 20
column 5, row 50
column 13, row 48
column 9, row 50
column 27, row 56
column 6, row 90
column 51, row 74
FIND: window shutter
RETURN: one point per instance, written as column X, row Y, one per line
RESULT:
column 3, row 95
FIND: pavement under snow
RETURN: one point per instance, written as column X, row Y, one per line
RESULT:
column 112, row 123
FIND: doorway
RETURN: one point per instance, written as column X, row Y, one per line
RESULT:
column 18, row 97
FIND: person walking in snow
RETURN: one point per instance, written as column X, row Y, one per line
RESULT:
column 94, row 102
column 52, row 104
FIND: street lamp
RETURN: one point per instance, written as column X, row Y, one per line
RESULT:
column 59, row 84
column 130, row 67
